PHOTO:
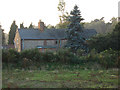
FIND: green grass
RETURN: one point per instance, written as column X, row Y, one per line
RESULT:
column 60, row 78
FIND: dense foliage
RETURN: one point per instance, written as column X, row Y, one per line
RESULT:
column 104, row 52
column 33, row 57
column 31, row 26
column 75, row 40
column 12, row 31
column 3, row 36
column 22, row 26
column 63, row 15
column 104, row 42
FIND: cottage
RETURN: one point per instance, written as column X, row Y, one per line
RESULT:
column 43, row 38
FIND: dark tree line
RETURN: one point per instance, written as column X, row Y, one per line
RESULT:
column 3, row 36
column 13, row 29
column 23, row 27
column 107, row 41
column 100, row 26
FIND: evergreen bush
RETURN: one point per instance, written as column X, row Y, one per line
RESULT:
column 32, row 54
column 49, row 56
column 10, row 56
column 105, row 42
column 65, row 56
column 30, row 58
column 108, row 58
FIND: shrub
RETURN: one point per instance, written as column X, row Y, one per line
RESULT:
column 66, row 56
column 108, row 58
column 105, row 42
column 49, row 56
column 32, row 54
column 10, row 56
column 92, row 56
column 99, row 42
column 80, row 52
column 33, row 57
column 5, row 56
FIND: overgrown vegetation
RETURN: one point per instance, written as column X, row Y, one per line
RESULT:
column 67, row 68
column 104, row 52
column 105, row 42
column 64, row 68
column 33, row 57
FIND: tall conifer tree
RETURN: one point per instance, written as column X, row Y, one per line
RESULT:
column 22, row 26
column 74, row 36
column 12, row 31
column 31, row 26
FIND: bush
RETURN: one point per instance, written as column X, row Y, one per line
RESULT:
column 108, row 58
column 10, row 56
column 4, row 56
column 49, row 56
column 100, row 42
column 33, row 57
column 66, row 56
column 92, row 56
column 32, row 54
column 80, row 52
column 105, row 42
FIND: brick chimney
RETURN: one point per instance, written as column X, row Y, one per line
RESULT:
column 41, row 25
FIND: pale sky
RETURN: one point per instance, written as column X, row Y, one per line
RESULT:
column 28, row 11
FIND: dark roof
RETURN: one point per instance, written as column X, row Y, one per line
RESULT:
column 50, row 33
column 87, row 33
column 46, row 34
